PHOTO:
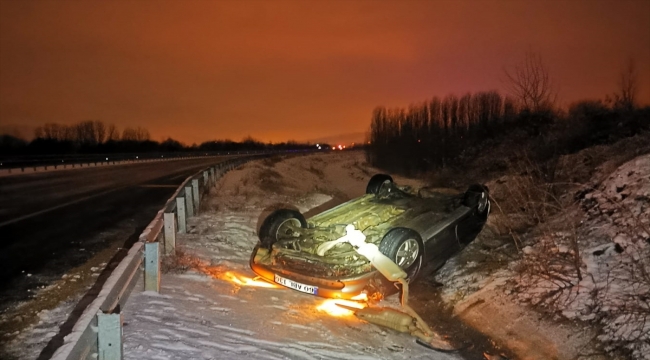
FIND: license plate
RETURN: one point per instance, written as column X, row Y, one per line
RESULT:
column 296, row 285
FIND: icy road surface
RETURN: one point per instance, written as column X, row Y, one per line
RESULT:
column 203, row 315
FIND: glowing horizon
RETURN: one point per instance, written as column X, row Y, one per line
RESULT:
column 277, row 71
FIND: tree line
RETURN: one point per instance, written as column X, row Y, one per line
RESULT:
column 96, row 137
column 89, row 133
column 453, row 130
column 431, row 134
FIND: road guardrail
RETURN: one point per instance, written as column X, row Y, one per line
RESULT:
column 97, row 334
column 28, row 165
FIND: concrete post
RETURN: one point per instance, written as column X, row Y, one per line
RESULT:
column 152, row 267
column 109, row 336
column 181, row 214
column 170, row 233
column 189, row 203
column 206, row 183
column 195, row 195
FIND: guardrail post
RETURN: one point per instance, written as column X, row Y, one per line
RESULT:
column 109, row 336
column 170, row 233
column 180, row 211
column 189, row 204
column 195, row 195
column 152, row 267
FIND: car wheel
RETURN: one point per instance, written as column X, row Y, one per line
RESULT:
column 477, row 196
column 405, row 248
column 376, row 182
column 280, row 224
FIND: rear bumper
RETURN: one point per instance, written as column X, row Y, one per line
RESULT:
column 344, row 288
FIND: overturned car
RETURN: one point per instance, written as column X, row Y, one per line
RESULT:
column 327, row 254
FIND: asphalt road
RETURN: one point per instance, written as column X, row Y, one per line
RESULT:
column 51, row 222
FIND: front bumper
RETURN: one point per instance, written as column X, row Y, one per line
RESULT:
column 343, row 288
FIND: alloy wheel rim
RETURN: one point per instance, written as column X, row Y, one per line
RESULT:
column 407, row 253
column 285, row 229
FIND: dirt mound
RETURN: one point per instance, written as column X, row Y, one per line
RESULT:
column 342, row 175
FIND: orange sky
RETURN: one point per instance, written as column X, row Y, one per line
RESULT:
column 202, row 70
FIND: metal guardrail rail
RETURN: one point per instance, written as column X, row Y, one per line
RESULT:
column 12, row 165
column 84, row 341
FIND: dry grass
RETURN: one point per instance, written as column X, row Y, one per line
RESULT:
column 316, row 171
column 531, row 202
column 179, row 262
column 270, row 181
column 545, row 220
column 272, row 160
column 207, row 204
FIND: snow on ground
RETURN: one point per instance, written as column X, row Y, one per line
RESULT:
column 611, row 285
column 615, row 254
column 610, row 294
column 30, row 341
column 204, row 315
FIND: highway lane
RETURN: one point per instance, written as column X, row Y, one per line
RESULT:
column 51, row 222
column 23, row 195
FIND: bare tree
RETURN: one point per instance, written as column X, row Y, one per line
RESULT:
column 510, row 109
column 137, row 134
column 530, row 83
column 464, row 107
column 111, row 133
column 100, row 131
column 627, row 86
column 38, row 132
column 54, row 131
column 85, row 132
column 142, row 134
column 129, row 134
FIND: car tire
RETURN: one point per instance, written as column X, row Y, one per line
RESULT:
column 405, row 248
column 477, row 196
column 274, row 225
column 376, row 182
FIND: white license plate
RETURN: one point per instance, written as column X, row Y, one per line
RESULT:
column 296, row 285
